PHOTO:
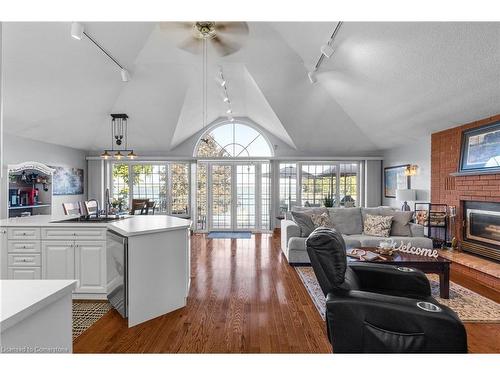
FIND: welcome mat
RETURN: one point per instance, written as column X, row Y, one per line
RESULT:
column 469, row 306
column 237, row 235
column 86, row 313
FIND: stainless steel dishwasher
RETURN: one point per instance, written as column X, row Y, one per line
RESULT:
column 117, row 270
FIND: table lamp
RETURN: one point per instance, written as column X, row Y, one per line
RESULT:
column 405, row 195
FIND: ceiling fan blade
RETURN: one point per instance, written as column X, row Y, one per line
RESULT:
column 171, row 26
column 191, row 45
column 224, row 48
column 232, row 27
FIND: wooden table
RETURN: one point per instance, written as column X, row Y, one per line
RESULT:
column 439, row 265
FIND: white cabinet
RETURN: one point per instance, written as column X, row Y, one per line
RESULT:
column 58, row 259
column 73, row 233
column 90, row 266
column 24, row 273
column 24, row 233
column 3, row 253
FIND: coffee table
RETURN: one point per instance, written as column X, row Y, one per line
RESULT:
column 439, row 265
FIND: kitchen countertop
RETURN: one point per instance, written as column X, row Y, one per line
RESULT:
column 22, row 298
column 128, row 226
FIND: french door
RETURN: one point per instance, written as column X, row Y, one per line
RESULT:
column 237, row 195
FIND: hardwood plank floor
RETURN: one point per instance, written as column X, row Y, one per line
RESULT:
column 244, row 298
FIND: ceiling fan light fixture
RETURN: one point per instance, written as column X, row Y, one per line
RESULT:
column 77, row 30
column 125, row 75
column 327, row 50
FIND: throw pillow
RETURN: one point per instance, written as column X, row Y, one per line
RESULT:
column 400, row 223
column 377, row 225
column 304, row 222
column 322, row 220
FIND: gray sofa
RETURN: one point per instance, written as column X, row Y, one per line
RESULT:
column 349, row 222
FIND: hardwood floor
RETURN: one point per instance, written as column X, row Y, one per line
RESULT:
column 244, row 298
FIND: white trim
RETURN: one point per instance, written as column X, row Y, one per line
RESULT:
column 278, row 158
column 236, row 121
column 13, row 168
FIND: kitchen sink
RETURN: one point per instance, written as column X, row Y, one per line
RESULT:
column 101, row 219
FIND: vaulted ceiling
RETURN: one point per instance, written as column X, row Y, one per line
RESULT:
column 386, row 84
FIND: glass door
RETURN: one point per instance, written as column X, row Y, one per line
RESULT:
column 245, row 197
column 221, row 196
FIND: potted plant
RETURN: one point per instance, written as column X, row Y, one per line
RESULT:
column 329, row 201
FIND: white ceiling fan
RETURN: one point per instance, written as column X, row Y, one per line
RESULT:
column 226, row 37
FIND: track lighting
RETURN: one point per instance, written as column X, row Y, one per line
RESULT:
column 77, row 30
column 312, row 76
column 229, row 111
column 226, row 99
column 327, row 50
column 125, row 75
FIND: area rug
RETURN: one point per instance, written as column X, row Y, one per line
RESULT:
column 237, row 235
column 469, row 306
column 86, row 313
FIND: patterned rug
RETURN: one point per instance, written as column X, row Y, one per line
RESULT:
column 86, row 313
column 470, row 306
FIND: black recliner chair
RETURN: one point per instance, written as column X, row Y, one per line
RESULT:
column 377, row 308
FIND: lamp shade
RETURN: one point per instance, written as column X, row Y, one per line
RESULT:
column 404, row 195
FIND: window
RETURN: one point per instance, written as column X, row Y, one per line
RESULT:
column 319, row 185
column 201, row 196
column 120, row 186
column 348, row 184
column 167, row 184
column 233, row 140
column 265, row 195
column 288, row 186
column 180, row 188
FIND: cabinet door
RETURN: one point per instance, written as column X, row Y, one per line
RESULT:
column 58, row 259
column 90, row 266
column 3, row 253
column 24, row 273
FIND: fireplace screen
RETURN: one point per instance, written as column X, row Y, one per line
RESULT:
column 483, row 226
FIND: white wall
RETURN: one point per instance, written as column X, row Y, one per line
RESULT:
column 373, row 183
column 416, row 152
column 18, row 149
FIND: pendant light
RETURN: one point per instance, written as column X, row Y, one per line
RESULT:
column 119, row 138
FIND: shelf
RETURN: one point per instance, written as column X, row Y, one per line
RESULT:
column 34, row 206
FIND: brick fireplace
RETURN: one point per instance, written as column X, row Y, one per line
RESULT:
column 455, row 190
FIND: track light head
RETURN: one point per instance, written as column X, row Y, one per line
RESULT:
column 312, row 76
column 125, row 75
column 226, row 99
column 77, row 30
column 327, row 50
column 229, row 111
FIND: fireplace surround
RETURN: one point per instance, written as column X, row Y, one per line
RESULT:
column 481, row 233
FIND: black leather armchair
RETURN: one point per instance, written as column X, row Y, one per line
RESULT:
column 376, row 308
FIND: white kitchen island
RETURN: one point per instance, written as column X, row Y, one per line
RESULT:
column 35, row 316
column 157, row 258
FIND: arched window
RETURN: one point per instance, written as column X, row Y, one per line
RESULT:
column 233, row 140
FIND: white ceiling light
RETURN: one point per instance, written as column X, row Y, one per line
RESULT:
column 77, row 30
column 125, row 75
column 327, row 50
column 312, row 76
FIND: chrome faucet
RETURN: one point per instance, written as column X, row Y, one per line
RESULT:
column 107, row 203
column 97, row 208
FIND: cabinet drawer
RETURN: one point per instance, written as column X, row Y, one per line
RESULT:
column 24, row 273
column 23, row 260
column 92, row 234
column 23, row 246
column 23, row 233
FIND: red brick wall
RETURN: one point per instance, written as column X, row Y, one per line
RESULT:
column 445, row 158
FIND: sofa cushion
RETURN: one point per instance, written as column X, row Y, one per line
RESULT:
column 377, row 225
column 347, row 220
column 323, row 220
column 299, row 243
column 400, row 223
column 305, row 223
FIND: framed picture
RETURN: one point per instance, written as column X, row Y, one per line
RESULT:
column 67, row 181
column 481, row 149
column 394, row 179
